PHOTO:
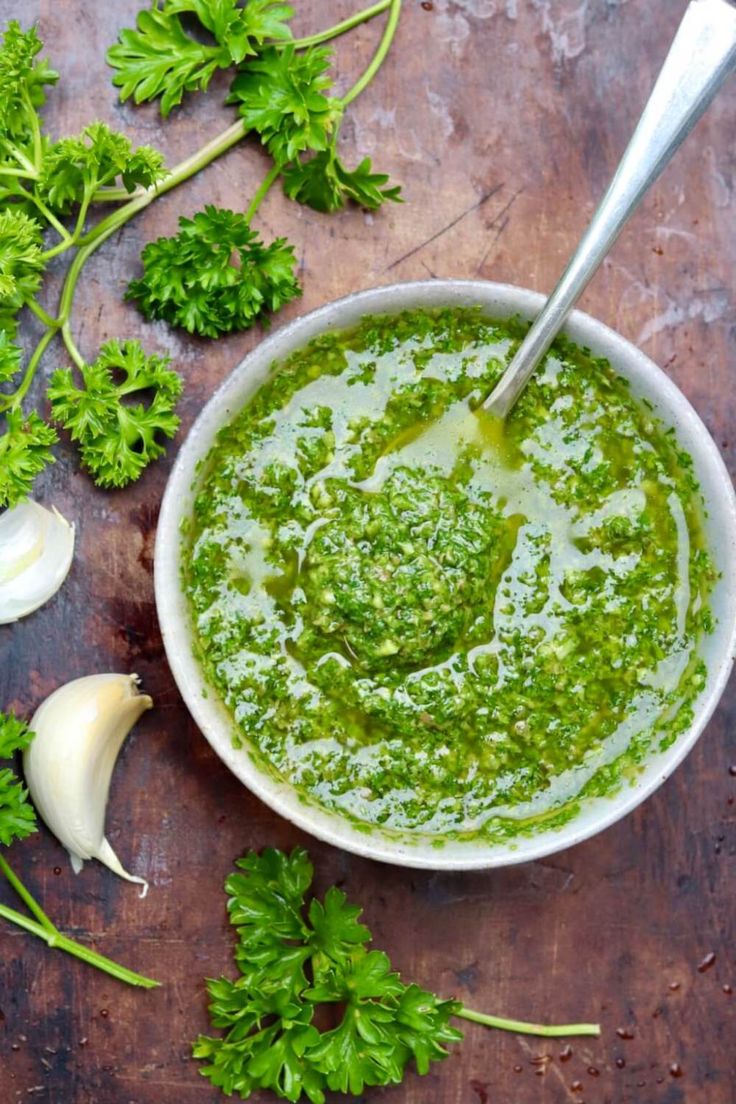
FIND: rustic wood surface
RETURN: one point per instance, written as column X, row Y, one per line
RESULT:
column 503, row 119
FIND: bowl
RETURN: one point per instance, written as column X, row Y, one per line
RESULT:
column 647, row 381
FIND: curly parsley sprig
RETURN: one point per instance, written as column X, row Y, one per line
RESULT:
column 293, row 957
column 117, row 437
column 17, row 821
column 215, row 275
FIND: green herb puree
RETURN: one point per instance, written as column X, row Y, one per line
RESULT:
column 433, row 623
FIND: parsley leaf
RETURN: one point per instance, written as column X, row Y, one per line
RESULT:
column 361, row 1050
column 256, row 1056
column 17, row 818
column 21, row 263
column 423, row 1025
column 324, row 183
column 266, row 912
column 336, row 931
column 24, row 452
column 118, row 437
column 215, row 276
column 280, row 95
column 73, row 168
column 10, row 357
column 159, row 58
column 22, row 80
column 15, row 735
column 268, row 897
column 365, row 976
column 240, row 30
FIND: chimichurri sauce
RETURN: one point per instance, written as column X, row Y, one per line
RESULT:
column 431, row 622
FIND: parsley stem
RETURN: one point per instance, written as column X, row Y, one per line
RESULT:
column 60, row 247
column 110, row 194
column 260, row 195
column 191, row 165
column 13, row 401
column 22, row 174
column 82, row 215
column 42, row 314
column 35, row 127
column 48, row 215
column 70, row 283
column 338, row 29
column 26, row 897
column 54, row 938
column 519, row 1027
column 21, row 158
column 71, row 348
column 379, row 57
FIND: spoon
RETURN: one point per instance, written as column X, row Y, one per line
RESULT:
column 702, row 55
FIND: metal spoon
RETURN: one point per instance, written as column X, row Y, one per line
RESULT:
column 702, row 55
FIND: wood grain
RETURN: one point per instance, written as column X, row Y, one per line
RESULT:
column 503, row 119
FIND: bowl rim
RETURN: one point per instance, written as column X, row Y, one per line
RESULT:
column 210, row 715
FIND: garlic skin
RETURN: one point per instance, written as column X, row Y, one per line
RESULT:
column 68, row 765
column 36, row 551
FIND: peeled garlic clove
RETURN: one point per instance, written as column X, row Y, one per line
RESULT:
column 36, row 550
column 79, row 731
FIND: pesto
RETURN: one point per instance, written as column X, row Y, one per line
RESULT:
column 431, row 622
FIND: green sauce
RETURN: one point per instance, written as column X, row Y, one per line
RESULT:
column 434, row 623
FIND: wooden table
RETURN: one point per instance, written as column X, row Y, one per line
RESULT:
column 503, row 119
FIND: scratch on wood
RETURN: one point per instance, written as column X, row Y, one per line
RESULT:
column 499, row 222
column 459, row 218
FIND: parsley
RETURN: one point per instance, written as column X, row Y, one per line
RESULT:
column 160, row 59
column 323, row 182
column 215, row 275
column 17, row 821
column 17, row 818
column 25, row 450
column 10, row 357
column 281, row 97
column 241, row 30
column 74, row 168
column 21, row 263
column 22, row 80
column 292, row 957
column 118, row 437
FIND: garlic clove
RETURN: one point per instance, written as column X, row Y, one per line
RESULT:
column 36, row 551
column 79, row 731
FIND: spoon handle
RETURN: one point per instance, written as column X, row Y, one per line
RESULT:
column 702, row 55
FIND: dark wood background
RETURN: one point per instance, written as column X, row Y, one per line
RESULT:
column 503, row 119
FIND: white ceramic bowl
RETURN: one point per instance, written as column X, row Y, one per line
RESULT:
column 498, row 301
